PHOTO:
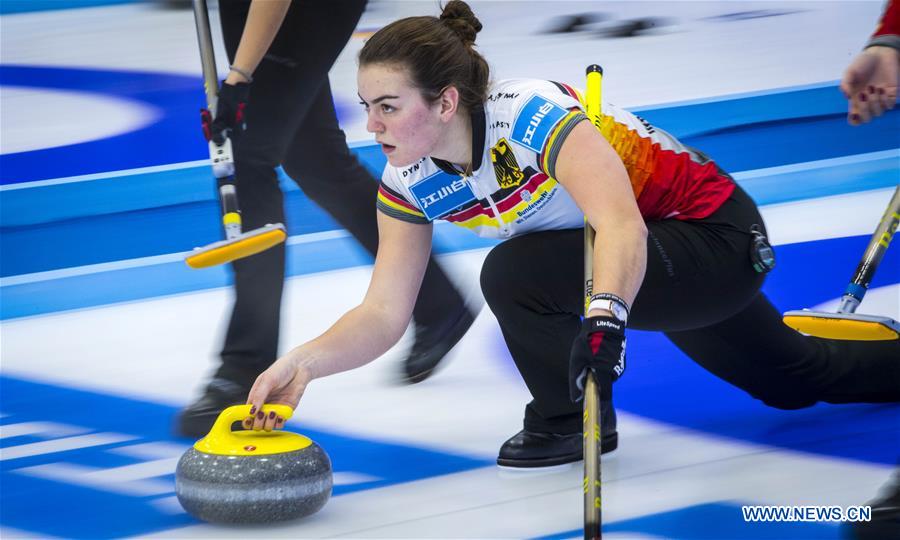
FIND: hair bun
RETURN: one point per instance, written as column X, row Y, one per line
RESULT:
column 458, row 16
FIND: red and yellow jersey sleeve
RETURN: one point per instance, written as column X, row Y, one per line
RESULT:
column 669, row 179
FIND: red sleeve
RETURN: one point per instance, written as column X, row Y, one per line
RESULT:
column 888, row 30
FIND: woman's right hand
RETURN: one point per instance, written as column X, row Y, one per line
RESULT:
column 284, row 382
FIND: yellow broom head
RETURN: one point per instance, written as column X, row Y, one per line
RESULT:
column 847, row 326
column 249, row 243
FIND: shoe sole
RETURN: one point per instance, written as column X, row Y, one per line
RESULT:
column 610, row 443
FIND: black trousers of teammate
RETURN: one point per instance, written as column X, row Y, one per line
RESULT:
column 291, row 121
column 701, row 290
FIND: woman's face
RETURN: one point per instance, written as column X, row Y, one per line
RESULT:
column 407, row 127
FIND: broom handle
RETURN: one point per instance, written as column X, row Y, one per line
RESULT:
column 207, row 55
column 591, row 429
column 220, row 155
column 878, row 245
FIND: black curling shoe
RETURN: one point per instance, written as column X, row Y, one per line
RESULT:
column 529, row 449
column 197, row 419
column 432, row 343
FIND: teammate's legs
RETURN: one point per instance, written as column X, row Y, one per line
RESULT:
column 283, row 92
column 285, row 83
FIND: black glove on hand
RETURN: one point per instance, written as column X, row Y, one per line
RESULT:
column 229, row 119
column 600, row 347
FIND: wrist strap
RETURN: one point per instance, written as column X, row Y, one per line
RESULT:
column 612, row 298
column 242, row 73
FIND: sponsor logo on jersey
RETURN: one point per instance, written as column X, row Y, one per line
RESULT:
column 534, row 204
column 412, row 168
column 505, row 167
column 535, row 121
column 497, row 96
column 441, row 193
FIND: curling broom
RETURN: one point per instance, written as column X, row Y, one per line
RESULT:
column 237, row 244
column 846, row 323
column 591, row 428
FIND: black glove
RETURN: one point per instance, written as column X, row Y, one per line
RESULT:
column 229, row 119
column 600, row 347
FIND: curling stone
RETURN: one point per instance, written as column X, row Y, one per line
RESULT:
column 252, row 476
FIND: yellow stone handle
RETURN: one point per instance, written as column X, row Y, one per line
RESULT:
column 237, row 413
column 221, row 440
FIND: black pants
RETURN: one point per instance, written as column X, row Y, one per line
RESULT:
column 291, row 122
column 701, row 290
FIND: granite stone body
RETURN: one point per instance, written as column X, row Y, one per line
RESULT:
column 253, row 489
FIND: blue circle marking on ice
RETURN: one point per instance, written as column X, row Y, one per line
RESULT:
column 42, row 118
column 173, row 136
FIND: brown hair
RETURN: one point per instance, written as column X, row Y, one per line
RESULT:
column 438, row 52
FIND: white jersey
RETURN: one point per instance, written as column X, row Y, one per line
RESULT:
column 512, row 190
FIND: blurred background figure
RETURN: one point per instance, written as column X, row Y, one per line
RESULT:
column 277, row 107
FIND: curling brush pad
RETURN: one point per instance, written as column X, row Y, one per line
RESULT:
column 243, row 246
column 842, row 326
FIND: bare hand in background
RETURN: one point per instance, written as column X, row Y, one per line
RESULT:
column 870, row 83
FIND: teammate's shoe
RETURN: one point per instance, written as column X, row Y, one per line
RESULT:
column 197, row 419
column 431, row 345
